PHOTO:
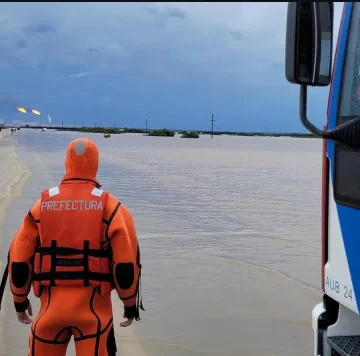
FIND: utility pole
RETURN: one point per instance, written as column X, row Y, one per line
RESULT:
column 146, row 123
column 62, row 124
column 82, row 123
column 212, row 125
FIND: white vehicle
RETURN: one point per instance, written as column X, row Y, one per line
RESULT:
column 336, row 320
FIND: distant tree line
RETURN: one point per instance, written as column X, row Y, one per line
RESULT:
column 169, row 133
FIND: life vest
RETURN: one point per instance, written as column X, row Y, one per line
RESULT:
column 71, row 251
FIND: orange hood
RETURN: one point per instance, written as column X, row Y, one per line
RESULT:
column 82, row 160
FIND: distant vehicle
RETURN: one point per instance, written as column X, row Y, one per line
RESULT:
column 43, row 129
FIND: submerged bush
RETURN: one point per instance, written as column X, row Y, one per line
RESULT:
column 163, row 132
column 190, row 134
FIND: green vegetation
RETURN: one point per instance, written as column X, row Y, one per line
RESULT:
column 102, row 130
column 190, row 134
column 132, row 130
column 262, row 134
column 163, row 133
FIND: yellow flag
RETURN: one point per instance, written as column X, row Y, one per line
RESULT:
column 21, row 110
column 35, row 112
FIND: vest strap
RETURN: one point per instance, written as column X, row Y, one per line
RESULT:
column 3, row 283
column 95, row 276
column 86, row 275
column 63, row 251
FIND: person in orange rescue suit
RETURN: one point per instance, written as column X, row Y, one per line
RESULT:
column 75, row 245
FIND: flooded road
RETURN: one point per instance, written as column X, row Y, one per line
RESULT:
column 229, row 231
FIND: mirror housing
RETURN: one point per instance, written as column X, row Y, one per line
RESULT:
column 309, row 38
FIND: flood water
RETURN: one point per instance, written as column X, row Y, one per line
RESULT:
column 229, row 230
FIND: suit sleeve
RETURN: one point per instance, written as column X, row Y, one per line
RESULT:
column 20, row 259
column 126, row 256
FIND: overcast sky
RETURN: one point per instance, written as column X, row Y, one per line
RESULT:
column 173, row 63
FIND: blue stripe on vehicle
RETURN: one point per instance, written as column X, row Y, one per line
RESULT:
column 348, row 217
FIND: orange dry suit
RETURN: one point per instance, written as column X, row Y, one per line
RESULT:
column 75, row 245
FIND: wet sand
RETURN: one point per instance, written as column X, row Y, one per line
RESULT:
column 229, row 234
column 13, row 175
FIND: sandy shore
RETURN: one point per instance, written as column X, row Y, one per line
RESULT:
column 13, row 175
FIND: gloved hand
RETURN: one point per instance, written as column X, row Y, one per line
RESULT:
column 23, row 317
column 127, row 322
column 129, row 314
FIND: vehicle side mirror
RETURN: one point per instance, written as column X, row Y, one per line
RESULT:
column 309, row 38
